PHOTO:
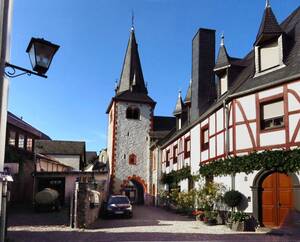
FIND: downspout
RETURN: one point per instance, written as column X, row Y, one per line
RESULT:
column 227, row 138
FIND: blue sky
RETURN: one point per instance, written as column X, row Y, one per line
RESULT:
column 93, row 35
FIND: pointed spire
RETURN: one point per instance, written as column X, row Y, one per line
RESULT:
column 188, row 97
column 269, row 27
column 223, row 59
column 132, row 75
column 179, row 105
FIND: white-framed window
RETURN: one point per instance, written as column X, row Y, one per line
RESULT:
column 224, row 84
column 269, row 56
column 12, row 138
column 21, row 142
column 272, row 114
column 29, row 144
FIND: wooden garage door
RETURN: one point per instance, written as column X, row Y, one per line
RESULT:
column 277, row 198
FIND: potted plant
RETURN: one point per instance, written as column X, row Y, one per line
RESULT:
column 233, row 198
column 199, row 215
column 243, row 222
column 211, row 217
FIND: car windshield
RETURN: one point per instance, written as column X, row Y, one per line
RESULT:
column 118, row 200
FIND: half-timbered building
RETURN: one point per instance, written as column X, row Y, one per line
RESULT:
column 235, row 107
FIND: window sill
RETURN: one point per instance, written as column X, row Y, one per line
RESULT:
column 273, row 129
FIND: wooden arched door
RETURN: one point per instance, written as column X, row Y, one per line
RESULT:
column 277, row 198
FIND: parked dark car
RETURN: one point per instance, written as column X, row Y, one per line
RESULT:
column 119, row 205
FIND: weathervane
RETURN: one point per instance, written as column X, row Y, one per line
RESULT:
column 132, row 20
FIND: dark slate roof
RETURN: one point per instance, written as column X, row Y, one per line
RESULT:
column 179, row 105
column 131, row 87
column 162, row 126
column 246, row 82
column 269, row 27
column 223, row 59
column 90, row 156
column 188, row 97
column 21, row 124
column 132, row 75
column 58, row 147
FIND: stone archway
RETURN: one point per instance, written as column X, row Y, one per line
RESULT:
column 135, row 188
column 277, row 192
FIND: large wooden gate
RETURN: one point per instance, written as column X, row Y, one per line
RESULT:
column 277, row 198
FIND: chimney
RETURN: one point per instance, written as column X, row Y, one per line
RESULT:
column 203, row 77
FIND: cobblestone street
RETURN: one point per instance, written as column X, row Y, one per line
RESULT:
column 148, row 224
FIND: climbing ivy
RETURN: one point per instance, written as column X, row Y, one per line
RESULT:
column 278, row 160
column 176, row 176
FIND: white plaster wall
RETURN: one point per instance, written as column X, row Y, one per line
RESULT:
column 110, row 137
column 137, row 142
column 212, row 125
column 225, row 180
column 212, row 147
column 230, row 140
column 293, row 121
column 195, row 149
column 243, row 183
column 272, row 138
column 270, row 92
column 184, row 185
column 249, row 106
column 243, row 140
column 70, row 160
column 220, row 120
column 293, row 103
column 220, row 142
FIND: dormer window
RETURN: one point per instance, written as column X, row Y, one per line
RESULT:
column 223, row 84
column 269, row 56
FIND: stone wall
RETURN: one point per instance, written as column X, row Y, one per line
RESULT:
column 132, row 137
column 88, row 205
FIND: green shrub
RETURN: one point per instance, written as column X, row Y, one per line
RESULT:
column 233, row 198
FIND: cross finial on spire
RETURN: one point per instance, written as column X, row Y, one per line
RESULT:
column 132, row 20
column 268, row 3
column 222, row 39
column 179, row 93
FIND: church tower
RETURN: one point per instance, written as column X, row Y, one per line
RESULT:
column 130, row 116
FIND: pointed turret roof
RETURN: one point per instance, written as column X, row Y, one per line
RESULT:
column 188, row 97
column 131, row 87
column 132, row 78
column 223, row 59
column 269, row 27
column 179, row 105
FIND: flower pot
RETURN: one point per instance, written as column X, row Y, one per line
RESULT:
column 238, row 226
column 211, row 222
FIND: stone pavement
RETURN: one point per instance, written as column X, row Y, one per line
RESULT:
column 148, row 224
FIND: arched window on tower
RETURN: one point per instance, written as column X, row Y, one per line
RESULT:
column 133, row 113
column 132, row 159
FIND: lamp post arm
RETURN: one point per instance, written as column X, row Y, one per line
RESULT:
column 12, row 74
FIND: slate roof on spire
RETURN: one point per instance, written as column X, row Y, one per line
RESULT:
column 132, row 78
column 269, row 27
column 188, row 97
column 131, row 87
column 223, row 59
column 179, row 105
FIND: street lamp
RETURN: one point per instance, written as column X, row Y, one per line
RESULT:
column 41, row 53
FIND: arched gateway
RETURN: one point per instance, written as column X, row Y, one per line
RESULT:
column 273, row 197
column 135, row 189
